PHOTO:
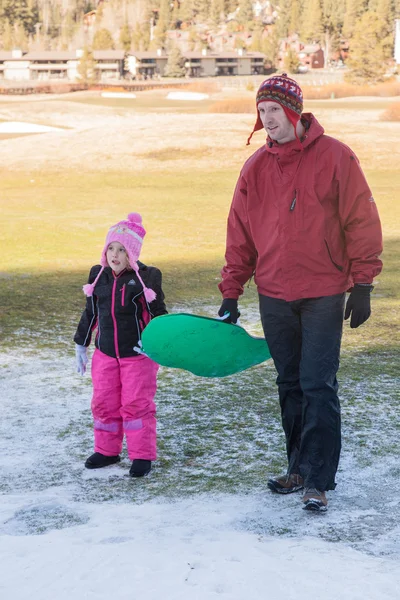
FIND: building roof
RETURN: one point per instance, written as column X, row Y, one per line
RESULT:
column 311, row 48
column 109, row 54
column 147, row 54
column 50, row 55
column 223, row 55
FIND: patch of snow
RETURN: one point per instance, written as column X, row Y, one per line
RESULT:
column 187, row 96
column 66, row 532
column 21, row 127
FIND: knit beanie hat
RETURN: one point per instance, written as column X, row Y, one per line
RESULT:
column 130, row 234
column 284, row 91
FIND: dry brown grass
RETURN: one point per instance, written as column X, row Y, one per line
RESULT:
column 204, row 87
column 345, row 90
column 392, row 113
column 233, row 105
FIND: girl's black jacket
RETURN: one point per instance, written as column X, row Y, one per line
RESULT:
column 119, row 310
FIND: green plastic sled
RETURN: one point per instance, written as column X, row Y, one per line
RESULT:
column 206, row 347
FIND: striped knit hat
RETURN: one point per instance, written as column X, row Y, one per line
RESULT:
column 284, row 91
column 130, row 234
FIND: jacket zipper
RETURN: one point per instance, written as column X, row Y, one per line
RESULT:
column 293, row 203
column 123, row 295
column 114, row 319
column 339, row 267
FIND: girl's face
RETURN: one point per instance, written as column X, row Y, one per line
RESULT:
column 117, row 257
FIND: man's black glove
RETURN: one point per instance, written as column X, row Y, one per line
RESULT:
column 229, row 306
column 359, row 305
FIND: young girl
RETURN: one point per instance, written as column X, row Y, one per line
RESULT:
column 122, row 296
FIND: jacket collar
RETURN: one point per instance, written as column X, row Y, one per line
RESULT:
column 313, row 130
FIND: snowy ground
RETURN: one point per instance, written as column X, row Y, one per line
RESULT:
column 202, row 525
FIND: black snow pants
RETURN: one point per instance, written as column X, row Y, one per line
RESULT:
column 304, row 339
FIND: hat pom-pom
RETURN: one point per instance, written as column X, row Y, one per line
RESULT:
column 135, row 218
column 149, row 294
column 88, row 289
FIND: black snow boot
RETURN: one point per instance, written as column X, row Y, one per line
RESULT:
column 97, row 461
column 140, row 467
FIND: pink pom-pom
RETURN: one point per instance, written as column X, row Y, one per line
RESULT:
column 135, row 218
column 149, row 294
column 88, row 289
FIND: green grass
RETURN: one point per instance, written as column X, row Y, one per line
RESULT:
column 54, row 227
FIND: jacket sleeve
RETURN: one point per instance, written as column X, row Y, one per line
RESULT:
column 241, row 254
column 88, row 320
column 360, row 221
column 157, row 307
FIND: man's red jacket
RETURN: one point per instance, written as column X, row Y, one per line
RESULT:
column 303, row 221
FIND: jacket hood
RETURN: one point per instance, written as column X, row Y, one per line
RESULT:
column 313, row 131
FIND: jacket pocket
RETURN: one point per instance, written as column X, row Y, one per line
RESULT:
column 335, row 264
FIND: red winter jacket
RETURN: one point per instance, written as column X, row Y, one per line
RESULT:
column 302, row 220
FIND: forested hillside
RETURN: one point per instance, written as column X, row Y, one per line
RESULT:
column 150, row 24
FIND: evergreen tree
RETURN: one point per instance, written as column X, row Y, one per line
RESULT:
column 175, row 64
column 20, row 37
column 86, row 67
column 354, row 11
column 291, row 61
column 256, row 40
column 216, row 12
column 19, row 11
column 385, row 11
column 246, row 13
column 283, row 20
column 270, row 46
column 332, row 17
column 125, row 38
column 7, row 36
column 312, row 26
column 102, row 40
column 366, row 59
column 295, row 12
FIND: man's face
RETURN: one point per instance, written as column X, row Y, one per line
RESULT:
column 275, row 122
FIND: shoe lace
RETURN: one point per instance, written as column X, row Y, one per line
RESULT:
column 312, row 491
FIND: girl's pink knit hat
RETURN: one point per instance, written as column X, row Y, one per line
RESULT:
column 130, row 234
column 284, row 91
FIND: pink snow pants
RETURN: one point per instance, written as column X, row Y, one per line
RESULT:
column 123, row 402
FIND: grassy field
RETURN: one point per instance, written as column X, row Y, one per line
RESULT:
column 214, row 435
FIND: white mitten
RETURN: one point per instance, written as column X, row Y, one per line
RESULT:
column 81, row 359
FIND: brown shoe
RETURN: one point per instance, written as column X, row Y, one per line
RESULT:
column 286, row 484
column 314, row 500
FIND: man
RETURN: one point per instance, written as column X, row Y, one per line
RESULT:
column 304, row 222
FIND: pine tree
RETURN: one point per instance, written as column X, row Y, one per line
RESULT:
column 312, row 26
column 125, row 38
column 366, row 59
column 19, row 11
column 283, row 20
column 270, row 46
column 295, row 11
column 354, row 11
column 386, row 11
column 102, row 40
column 216, row 12
column 246, row 13
column 256, row 40
column 175, row 64
column 86, row 67
column 20, row 37
column 7, row 36
column 291, row 61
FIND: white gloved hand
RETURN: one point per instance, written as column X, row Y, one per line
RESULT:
column 81, row 359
